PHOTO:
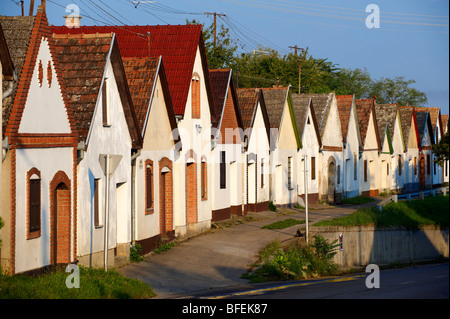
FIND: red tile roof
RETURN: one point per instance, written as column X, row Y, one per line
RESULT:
column 386, row 115
column 344, row 104
column 444, row 120
column 24, row 36
column 364, row 108
column 83, row 62
column 219, row 85
column 248, row 100
column 83, row 59
column 141, row 75
column 177, row 44
column 423, row 121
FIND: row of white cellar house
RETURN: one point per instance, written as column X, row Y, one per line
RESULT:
column 113, row 136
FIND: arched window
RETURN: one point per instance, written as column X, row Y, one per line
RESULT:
column 195, row 98
column 34, row 203
column 149, row 204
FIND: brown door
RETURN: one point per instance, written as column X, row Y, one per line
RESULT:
column 191, row 192
column 162, row 210
column 331, row 178
column 422, row 171
column 61, row 225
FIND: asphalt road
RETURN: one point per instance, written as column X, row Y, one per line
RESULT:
column 429, row 281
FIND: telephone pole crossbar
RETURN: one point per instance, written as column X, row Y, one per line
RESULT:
column 215, row 14
column 296, row 47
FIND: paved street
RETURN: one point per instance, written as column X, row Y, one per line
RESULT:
column 217, row 259
column 429, row 281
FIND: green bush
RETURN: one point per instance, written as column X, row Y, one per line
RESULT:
column 272, row 207
column 136, row 253
column 296, row 261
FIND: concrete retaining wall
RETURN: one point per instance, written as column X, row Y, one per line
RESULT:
column 363, row 245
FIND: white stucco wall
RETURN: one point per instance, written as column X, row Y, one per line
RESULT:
column 332, row 137
column 310, row 148
column 258, row 144
column 41, row 101
column 157, row 144
column 35, row 119
column 286, row 147
column 350, row 183
column 48, row 162
column 370, row 153
column 200, row 143
column 112, row 140
column 426, row 142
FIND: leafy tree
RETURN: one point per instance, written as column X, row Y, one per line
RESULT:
column 397, row 90
column 221, row 54
column 441, row 150
column 265, row 67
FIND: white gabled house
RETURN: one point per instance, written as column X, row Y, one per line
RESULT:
column 330, row 153
column 445, row 168
column 426, row 139
column 371, row 146
column 310, row 144
column 190, row 90
column 351, row 140
column 9, row 78
column 97, row 88
column 39, row 178
column 285, row 143
column 392, row 161
column 227, row 153
column 412, row 146
column 257, row 147
column 152, row 219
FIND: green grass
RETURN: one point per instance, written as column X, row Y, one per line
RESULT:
column 94, row 284
column 357, row 200
column 411, row 215
column 294, row 260
column 283, row 224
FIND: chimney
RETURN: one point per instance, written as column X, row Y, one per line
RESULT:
column 73, row 20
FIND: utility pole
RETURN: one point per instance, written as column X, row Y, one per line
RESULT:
column 305, row 160
column 299, row 65
column 215, row 14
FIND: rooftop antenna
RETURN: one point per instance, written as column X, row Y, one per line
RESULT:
column 136, row 3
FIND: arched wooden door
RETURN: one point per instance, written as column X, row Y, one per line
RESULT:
column 60, row 219
column 422, row 171
column 331, row 182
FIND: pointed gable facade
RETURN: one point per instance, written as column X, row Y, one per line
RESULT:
column 227, row 148
column 307, row 182
column 285, row 143
column 371, row 145
column 257, row 149
column 39, row 171
column 330, row 156
column 107, row 132
column 152, row 167
column 412, row 144
column 351, row 139
column 445, row 173
column 393, row 167
column 184, row 55
column 426, row 139
column 437, row 131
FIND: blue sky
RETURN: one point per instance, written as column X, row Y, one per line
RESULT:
column 412, row 40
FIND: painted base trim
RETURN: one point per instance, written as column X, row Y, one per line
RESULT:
column 258, row 207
